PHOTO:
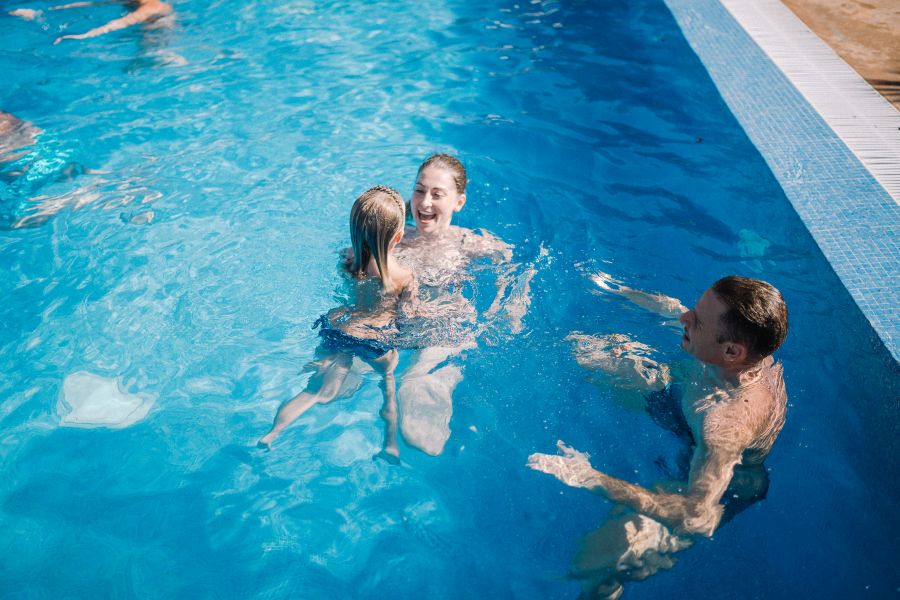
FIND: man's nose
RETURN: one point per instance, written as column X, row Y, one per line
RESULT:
column 685, row 317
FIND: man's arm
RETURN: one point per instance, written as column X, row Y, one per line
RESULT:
column 665, row 306
column 627, row 363
column 696, row 511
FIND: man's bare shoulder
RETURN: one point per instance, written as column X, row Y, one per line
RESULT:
column 750, row 416
column 726, row 424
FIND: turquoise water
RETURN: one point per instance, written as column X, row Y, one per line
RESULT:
column 175, row 226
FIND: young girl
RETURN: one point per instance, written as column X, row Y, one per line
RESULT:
column 376, row 227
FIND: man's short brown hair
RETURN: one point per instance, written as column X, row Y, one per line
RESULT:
column 756, row 315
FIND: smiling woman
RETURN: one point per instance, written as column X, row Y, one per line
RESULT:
column 439, row 192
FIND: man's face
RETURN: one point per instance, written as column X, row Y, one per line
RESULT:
column 702, row 329
column 434, row 200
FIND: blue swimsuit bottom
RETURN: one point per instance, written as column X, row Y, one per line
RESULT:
column 335, row 340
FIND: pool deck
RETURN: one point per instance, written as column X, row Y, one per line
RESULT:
column 830, row 139
column 865, row 33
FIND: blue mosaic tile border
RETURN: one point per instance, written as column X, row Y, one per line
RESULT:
column 851, row 216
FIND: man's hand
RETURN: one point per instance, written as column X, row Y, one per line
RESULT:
column 571, row 467
column 607, row 283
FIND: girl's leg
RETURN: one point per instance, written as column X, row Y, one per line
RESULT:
column 323, row 387
column 386, row 365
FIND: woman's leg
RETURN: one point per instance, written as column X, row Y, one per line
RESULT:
column 323, row 387
column 426, row 398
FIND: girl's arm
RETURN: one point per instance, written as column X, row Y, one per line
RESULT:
column 516, row 303
column 484, row 243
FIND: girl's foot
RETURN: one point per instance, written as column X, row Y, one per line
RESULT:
column 265, row 442
column 390, row 455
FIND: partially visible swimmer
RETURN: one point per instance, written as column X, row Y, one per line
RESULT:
column 146, row 11
column 364, row 330
column 15, row 136
column 731, row 405
column 31, row 158
column 442, row 255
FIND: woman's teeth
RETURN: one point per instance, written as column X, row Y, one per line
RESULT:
column 424, row 217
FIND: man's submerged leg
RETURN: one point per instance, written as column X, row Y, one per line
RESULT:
column 630, row 547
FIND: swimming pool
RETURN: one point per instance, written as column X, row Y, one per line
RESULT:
column 180, row 217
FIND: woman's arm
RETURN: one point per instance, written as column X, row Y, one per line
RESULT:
column 513, row 295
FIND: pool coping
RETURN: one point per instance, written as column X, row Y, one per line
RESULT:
column 830, row 139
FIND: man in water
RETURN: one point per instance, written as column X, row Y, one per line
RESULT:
column 733, row 404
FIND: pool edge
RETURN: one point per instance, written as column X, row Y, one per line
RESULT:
column 822, row 138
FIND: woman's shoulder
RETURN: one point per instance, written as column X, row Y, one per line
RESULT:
column 481, row 242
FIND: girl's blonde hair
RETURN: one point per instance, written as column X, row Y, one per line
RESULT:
column 376, row 217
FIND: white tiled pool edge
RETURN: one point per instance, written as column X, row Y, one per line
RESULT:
column 830, row 139
column 867, row 123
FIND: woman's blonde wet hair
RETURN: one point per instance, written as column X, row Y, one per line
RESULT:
column 376, row 217
column 452, row 164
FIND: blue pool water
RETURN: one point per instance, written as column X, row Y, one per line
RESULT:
column 176, row 225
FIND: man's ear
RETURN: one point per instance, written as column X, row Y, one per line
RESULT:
column 735, row 353
column 460, row 202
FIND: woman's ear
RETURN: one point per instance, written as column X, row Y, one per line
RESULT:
column 460, row 202
column 397, row 237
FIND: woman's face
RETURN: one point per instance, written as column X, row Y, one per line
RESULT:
column 434, row 200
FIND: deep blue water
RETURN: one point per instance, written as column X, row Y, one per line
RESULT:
column 177, row 226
